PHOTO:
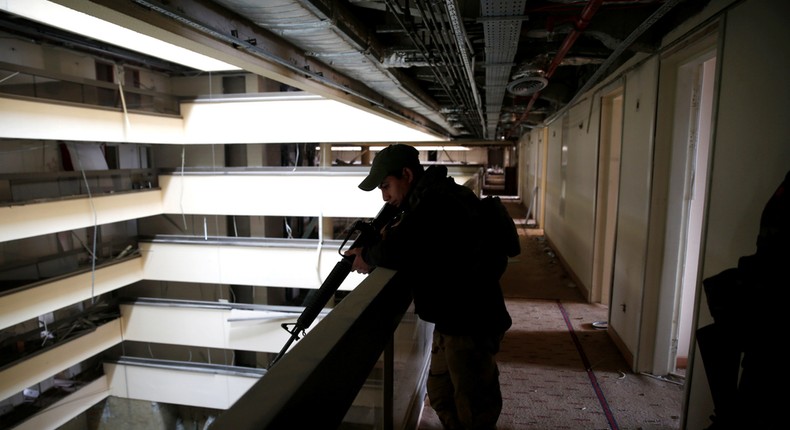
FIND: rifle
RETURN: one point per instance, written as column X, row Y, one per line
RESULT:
column 317, row 299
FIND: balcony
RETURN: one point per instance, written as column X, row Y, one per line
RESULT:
column 370, row 355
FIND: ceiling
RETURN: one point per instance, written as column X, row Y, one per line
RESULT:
column 473, row 71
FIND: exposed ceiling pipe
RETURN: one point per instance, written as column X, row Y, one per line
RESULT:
column 655, row 16
column 579, row 26
column 462, row 42
column 456, row 81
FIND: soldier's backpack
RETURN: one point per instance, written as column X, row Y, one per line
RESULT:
column 500, row 228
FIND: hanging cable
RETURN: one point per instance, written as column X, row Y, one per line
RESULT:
column 181, row 197
column 29, row 149
column 45, row 334
column 8, row 77
column 288, row 228
column 120, row 76
column 95, row 225
column 448, row 154
column 90, row 251
column 320, row 246
column 296, row 159
column 221, row 296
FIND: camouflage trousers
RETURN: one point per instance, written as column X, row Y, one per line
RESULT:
column 463, row 382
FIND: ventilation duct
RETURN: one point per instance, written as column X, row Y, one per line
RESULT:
column 528, row 80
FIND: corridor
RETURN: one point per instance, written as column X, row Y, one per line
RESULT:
column 557, row 371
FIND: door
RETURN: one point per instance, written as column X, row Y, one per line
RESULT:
column 688, row 126
column 697, row 83
column 608, row 192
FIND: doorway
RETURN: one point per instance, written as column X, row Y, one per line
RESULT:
column 695, row 102
column 683, row 140
column 608, row 190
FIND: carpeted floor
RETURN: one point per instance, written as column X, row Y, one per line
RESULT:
column 557, row 371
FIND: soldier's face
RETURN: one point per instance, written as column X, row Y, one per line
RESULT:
column 394, row 189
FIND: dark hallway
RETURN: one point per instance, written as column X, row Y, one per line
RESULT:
column 557, row 371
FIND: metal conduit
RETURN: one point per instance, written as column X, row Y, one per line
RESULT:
column 462, row 42
column 453, row 49
column 456, row 82
column 581, row 23
column 585, row 18
column 262, row 53
column 449, row 55
column 647, row 23
column 502, row 23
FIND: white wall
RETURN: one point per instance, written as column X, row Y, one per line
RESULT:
column 570, row 225
column 750, row 156
column 531, row 152
column 570, row 220
column 554, row 223
column 633, row 203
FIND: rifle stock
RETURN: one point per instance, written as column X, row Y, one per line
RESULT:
column 317, row 299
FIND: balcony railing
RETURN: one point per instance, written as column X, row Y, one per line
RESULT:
column 363, row 365
column 30, row 187
column 318, row 382
column 17, row 80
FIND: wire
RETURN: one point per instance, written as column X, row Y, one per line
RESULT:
column 83, row 244
column 181, row 197
column 95, row 226
column 8, row 77
column 28, row 149
column 120, row 75
column 296, row 159
column 46, row 333
column 661, row 378
column 448, row 154
column 320, row 245
column 288, row 228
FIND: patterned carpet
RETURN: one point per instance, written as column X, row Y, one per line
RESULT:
column 557, row 371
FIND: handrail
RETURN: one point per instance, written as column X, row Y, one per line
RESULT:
column 73, row 79
column 132, row 180
column 267, row 242
column 33, row 177
column 22, row 83
column 453, row 169
column 103, row 261
column 189, row 366
column 316, row 382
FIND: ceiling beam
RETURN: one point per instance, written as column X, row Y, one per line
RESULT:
column 206, row 28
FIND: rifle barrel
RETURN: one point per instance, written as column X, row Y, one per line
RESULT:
column 317, row 299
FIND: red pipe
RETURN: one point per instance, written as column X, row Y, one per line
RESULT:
column 580, row 25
